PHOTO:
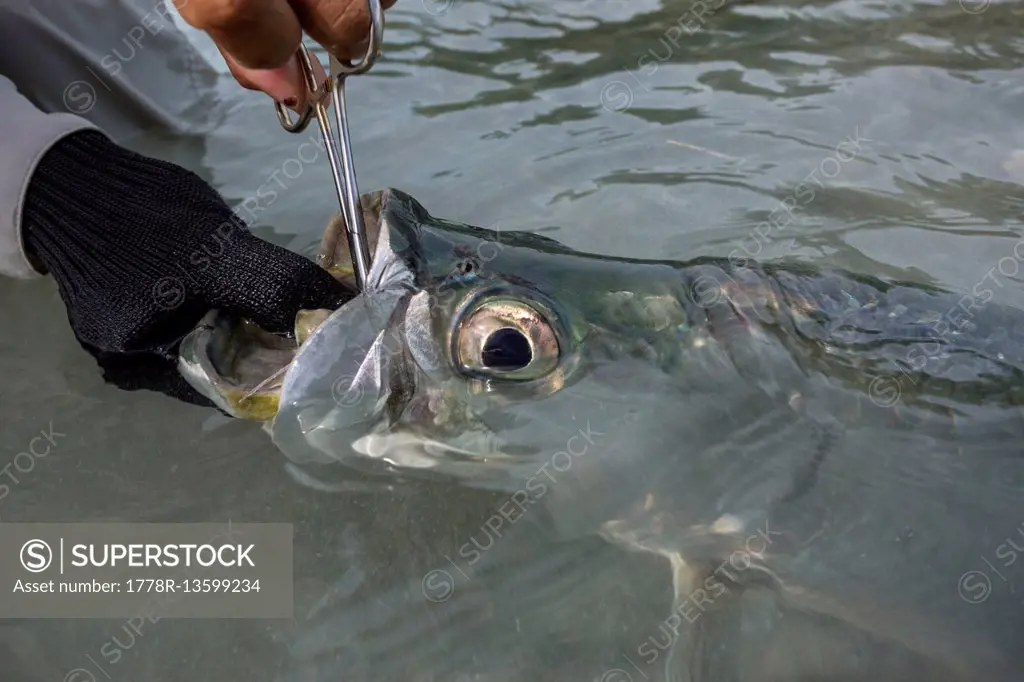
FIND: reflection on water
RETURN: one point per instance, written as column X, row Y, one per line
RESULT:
column 880, row 136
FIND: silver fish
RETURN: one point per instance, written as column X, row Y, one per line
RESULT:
column 831, row 463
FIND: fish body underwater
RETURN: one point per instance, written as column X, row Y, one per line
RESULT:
column 832, row 464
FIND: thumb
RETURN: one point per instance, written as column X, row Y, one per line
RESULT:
column 285, row 84
column 268, row 284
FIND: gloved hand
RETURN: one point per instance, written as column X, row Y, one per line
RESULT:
column 141, row 249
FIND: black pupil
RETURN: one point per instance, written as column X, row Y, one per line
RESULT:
column 507, row 349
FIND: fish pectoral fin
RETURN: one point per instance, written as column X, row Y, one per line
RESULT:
column 308, row 321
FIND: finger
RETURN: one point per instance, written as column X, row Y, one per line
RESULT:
column 146, row 372
column 341, row 26
column 258, row 34
column 270, row 284
column 283, row 84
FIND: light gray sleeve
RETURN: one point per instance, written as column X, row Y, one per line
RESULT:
column 28, row 134
column 120, row 66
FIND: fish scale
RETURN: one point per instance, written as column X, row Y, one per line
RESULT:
column 876, row 328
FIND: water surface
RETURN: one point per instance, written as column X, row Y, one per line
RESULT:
column 603, row 126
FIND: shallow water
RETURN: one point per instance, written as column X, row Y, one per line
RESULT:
column 583, row 120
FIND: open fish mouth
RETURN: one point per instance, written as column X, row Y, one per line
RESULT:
column 239, row 366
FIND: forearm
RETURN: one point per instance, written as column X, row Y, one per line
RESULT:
column 117, row 65
column 28, row 135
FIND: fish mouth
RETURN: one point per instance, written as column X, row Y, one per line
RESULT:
column 236, row 365
column 240, row 367
column 353, row 376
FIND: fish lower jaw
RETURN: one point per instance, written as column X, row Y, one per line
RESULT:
column 416, row 451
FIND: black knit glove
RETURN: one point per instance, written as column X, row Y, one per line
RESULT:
column 141, row 249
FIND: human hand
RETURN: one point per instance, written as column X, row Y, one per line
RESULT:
column 259, row 38
column 142, row 249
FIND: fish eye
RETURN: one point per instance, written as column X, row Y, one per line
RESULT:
column 506, row 339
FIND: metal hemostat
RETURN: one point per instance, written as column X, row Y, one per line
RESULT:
column 339, row 151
